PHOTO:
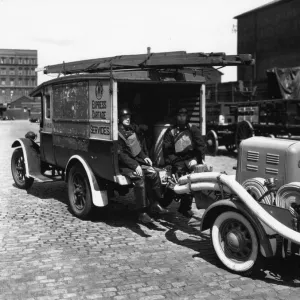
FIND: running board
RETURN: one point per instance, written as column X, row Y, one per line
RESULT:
column 45, row 178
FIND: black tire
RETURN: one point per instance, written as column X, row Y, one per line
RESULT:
column 212, row 143
column 79, row 192
column 235, row 243
column 244, row 131
column 18, row 170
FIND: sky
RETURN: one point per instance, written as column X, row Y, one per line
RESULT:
column 70, row 30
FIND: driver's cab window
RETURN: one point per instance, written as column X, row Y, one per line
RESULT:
column 47, row 106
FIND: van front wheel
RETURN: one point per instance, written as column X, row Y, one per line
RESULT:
column 80, row 197
column 18, row 170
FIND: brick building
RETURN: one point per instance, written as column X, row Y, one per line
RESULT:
column 271, row 34
column 17, row 73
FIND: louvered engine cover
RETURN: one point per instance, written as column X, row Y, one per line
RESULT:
column 268, row 157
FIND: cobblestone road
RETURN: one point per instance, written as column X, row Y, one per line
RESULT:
column 46, row 253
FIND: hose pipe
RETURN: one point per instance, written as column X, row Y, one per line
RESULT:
column 244, row 196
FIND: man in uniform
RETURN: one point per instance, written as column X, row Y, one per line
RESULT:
column 135, row 164
column 183, row 148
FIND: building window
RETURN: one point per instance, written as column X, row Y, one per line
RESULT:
column 3, row 71
column 11, row 72
column 20, row 61
column 12, row 60
column 3, row 81
column 12, row 82
column 20, row 81
column 33, row 82
column 32, row 61
column 2, row 60
column 32, row 72
column 20, row 71
column 26, row 61
column 3, row 92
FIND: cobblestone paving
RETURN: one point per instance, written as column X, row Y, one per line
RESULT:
column 46, row 253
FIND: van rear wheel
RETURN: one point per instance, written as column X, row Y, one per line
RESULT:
column 80, row 196
column 18, row 170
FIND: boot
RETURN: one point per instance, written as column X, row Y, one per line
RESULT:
column 157, row 200
column 145, row 218
column 185, row 207
column 156, row 207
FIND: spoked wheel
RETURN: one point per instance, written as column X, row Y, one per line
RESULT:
column 235, row 242
column 212, row 142
column 244, row 131
column 80, row 198
column 18, row 170
column 230, row 147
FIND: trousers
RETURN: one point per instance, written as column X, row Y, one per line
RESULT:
column 147, row 188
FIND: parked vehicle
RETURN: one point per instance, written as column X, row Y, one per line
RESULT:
column 79, row 121
column 275, row 113
column 255, row 214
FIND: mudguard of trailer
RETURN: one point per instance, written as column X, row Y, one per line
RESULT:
column 266, row 235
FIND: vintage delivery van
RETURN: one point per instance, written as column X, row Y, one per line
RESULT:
column 79, row 122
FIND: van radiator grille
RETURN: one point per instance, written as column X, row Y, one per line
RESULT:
column 272, row 159
column 252, row 156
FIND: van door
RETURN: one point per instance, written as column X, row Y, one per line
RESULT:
column 46, row 131
column 103, row 122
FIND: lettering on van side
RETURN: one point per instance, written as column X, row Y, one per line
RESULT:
column 97, row 114
column 98, row 104
column 100, row 130
column 97, row 109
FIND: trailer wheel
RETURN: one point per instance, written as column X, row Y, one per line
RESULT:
column 18, row 170
column 235, row 242
column 80, row 196
column 244, row 130
column 212, row 142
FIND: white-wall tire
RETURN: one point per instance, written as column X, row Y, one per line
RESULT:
column 235, row 242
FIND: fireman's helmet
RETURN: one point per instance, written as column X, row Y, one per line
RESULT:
column 181, row 110
column 124, row 112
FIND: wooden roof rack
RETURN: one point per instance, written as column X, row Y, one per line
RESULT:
column 162, row 60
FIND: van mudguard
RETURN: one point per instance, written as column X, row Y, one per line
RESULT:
column 31, row 152
column 99, row 197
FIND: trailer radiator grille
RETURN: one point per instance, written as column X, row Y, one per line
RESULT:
column 272, row 159
column 252, row 156
column 252, row 168
column 271, row 171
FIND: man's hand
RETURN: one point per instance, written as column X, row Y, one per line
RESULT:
column 139, row 171
column 148, row 161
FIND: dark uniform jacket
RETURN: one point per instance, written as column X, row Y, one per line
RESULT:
column 126, row 160
column 198, row 150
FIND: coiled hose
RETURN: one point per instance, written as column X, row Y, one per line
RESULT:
column 191, row 183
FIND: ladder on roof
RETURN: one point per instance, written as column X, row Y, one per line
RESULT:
column 163, row 60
